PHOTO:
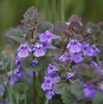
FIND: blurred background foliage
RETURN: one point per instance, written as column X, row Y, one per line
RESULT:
column 11, row 12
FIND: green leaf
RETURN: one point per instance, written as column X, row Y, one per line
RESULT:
column 45, row 61
column 32, row 14
column 27, row 65
column 59, row 28
column 68, row 97
column 76, row 89
column 45, row 26
column 6, row 61
column 19, row 89
column 98, row 98
column 16, row 35
column 58, row 88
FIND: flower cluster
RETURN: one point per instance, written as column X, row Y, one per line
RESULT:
column 50, row 79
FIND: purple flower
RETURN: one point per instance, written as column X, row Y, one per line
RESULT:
column 18, row 61
column 77, row 57
column 22, row 51
column 13, row 80
column 89, row 91
column 47, row 46
column 96, row 50
column 70, row 75
column 95, row 65
column 65, row 57
column 101, row 87
column 47, row 36
column 2, row 90
column 54, row 77
column 29, row 73
column 74, row 46
column 5, row 101
column 50, row 93
column 34, row 62
column 47, row 84
column 17, row 70
column 51, row 69
column 39, row 50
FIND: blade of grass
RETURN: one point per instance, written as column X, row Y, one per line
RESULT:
column 8, row 83
column 46, row 10
column 47, row 101
column 98, row 61
column 62, row 11
column 53, row 11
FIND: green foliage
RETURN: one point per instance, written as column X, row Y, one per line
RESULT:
column 42, row 64
column 98, row 98
column 76, row 89
column 58, row 88
column 18, row 89
column 27, row 65
column 68, row 97
column 45, row 26
column 59, row 28
column 6, row 61
column 16, row 35
column 31, row 15
column 87, row 73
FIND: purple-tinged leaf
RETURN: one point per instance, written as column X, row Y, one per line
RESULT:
column 60, row 27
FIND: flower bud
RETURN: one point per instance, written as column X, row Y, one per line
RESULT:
column 26, row 36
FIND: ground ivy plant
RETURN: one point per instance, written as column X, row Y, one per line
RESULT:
column 62, row 63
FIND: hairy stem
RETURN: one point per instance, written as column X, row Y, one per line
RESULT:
column 34, row 79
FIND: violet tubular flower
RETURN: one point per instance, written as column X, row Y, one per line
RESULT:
column 51, row 69
column 96, row 50
column 89, row 91
column 18, row 61
column 49, row 94
column 2, row 90
column 74, row 46
column 47, row 84
column 70, row 75
column 23, row 50
column 35, row 62
column 17, row 70
column 77, row 57
column 39, row 50
column 65, row 57
column 47, row 36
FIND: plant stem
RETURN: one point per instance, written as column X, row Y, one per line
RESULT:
column 25, row 96
column 62, row 11
column 53, row 11
column 34, row 87
column 46, row 10
column 34, row 80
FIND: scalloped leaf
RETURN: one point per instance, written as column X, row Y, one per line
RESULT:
column 58, row 88
column 32, row 14
column 16, row 34
column 74, row 17
column 98, row 98
column 68, row 97
column 60, row 26
column 6, row 61
column 19, row 89
column 27, row 65
column 76, row 89
column 45, row 26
